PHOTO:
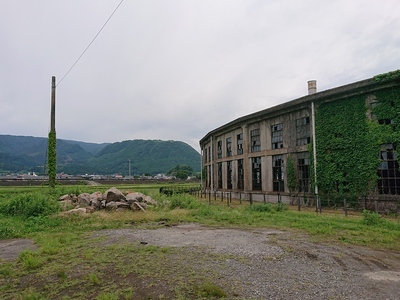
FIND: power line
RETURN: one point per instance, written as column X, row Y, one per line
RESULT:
column 90, row 42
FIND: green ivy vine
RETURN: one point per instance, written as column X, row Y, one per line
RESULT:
column 387, row 76
column 291, row 174
column 52, row 158
column 348, row 141
column 347, row 154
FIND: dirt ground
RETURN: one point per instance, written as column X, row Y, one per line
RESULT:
column 268, row 264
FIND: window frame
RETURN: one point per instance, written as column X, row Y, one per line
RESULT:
column 239, row 143
column 277, row 136
column 229, row 146
column 240, row 174
column 256, row 175
column 303, row 131
column 278, row 173
column 255, row 139
column 229, row 174
column 219, row 149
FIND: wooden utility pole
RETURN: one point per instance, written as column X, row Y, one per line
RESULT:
column 52, row 144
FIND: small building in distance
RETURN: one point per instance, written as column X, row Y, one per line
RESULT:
column 332, row 144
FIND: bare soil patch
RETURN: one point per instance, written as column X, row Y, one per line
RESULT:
column 252, row 263
column 272, row 264
column 10, row 249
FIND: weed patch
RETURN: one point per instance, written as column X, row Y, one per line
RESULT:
column 371, row 218
column 31, row 260
column 30, row 205
column 210, row 290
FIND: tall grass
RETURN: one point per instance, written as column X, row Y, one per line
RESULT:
column 30, row 205
column 34, row 211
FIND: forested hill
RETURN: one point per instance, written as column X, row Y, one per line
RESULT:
column 21, row 154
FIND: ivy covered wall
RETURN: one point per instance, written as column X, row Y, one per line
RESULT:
column 349, row 136
column 347, row 154
column 386, row 112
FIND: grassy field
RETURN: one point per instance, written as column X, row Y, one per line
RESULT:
column 68, row 264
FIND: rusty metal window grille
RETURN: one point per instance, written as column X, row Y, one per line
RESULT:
column 240, row 172
column 303, row 131
column 229, row 146
column 278, row 173
column 388, row 171
column 303, row 167
column 277, row 136
column 239, row 143
column 219, row 149
column 256, row 172
column 255, row 140
column 220, row 175
column 229, row 174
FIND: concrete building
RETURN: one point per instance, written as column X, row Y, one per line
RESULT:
column 332, row 143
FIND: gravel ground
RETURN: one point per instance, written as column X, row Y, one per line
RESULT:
column 271, row 264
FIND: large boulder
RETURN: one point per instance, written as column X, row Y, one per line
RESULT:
column 112, row 199
column 95, row 199
column 138, row 206
column 114, row 195
column 80, row 210
column 68, row 197
column 84, row 199
column 134, row 197
column 65, row 197
column 117, row 205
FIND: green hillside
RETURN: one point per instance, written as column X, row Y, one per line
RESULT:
column 21, row 154
column 146, row 156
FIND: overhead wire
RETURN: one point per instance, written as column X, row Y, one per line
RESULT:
column 70, row 69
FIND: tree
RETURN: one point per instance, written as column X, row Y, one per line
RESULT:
column 181, row 171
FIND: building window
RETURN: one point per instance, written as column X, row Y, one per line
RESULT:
column 276, row 136
column 229, row 174
column 220, row 175
column 278, row 173
column 255, row 140
column 372, row 110
column 256, row 172
column 209, row 153
column 303, row 131
column 208, row 176
column 303, row 166
column 229, row 146
column 219, row 149
column 388, row 171
column 239, row 143
column 374, row 107
column 240, row 172
column 205, row 156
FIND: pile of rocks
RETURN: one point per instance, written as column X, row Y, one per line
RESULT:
column 112, row 199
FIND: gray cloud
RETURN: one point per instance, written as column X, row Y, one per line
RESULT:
column 174, row 70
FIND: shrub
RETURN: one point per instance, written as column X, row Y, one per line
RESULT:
column 371, row 218
column 30, row 205
column 281, row 207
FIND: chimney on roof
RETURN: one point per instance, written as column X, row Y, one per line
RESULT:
column 312, row 87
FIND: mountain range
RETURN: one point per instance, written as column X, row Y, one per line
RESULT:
column 21, row 154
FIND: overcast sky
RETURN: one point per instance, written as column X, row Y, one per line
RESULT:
column 177, row 69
